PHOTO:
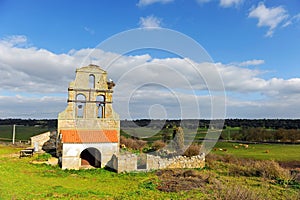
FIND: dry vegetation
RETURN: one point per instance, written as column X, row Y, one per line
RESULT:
column 192, row 150
column 228, row 177
column 207, row 182
column 143, row 146
column 267, row 169
column 175, row 180
column 133, row 144
column 158, row 144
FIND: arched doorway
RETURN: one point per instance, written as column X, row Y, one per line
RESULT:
column 91, row 157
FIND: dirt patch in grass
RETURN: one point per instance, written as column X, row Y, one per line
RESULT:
column 178, row 180
column 290, row 164
column 175, row 180
column 13, row 155
column 293, row 166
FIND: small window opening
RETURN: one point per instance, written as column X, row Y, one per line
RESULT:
column 92, row 81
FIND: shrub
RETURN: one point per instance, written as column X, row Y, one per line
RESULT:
column 192, row 150
column 265, row 168
column 268, row 169
column 149, row 184
column 43, row 157
column 158, row 144
column 132, row 143
column 272, row 170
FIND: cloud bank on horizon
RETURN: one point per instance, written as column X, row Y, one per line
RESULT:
column 34, row 84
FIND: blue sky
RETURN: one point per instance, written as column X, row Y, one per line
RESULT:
column 254, row 44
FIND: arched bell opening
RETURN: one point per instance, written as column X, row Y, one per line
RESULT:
column 80, row 105
column 101, row 106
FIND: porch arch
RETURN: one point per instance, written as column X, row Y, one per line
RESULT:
column 91, row 157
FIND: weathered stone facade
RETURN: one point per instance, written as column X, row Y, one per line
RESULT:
column 88, row 128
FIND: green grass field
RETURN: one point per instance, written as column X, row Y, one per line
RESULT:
column 151, row 134
column 278, row 152
column 22, row 132
column 20, row 179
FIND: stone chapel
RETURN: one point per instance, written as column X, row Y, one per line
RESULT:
column 88, row 129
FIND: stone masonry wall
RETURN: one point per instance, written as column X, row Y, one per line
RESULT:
column 123, row 163
column 128, row 162
column 157, row 162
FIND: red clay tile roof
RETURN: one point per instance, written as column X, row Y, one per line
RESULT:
column 89, row 136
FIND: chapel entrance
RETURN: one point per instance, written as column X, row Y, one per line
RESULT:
column 90, row 157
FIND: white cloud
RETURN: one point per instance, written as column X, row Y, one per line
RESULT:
column 143, row 3
column 15, row 40
column 287, row 23
column 229, row 3
column 20, row 106
column 150, row 22
column 223, row 3
column 269, row 17
column 35, row 81
column 294, row 19
column 31, row 69
column 251, row 63
column 261, row 108
column 36, row 70
column 89, row 30
column 203, row 1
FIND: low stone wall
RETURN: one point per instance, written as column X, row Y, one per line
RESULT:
column 39, row 140
column 157, row 162
column 123, row 162
column 128, row 162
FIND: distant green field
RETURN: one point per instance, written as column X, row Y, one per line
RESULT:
column 22, row 132
column 152, row 134
column 278, row 152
